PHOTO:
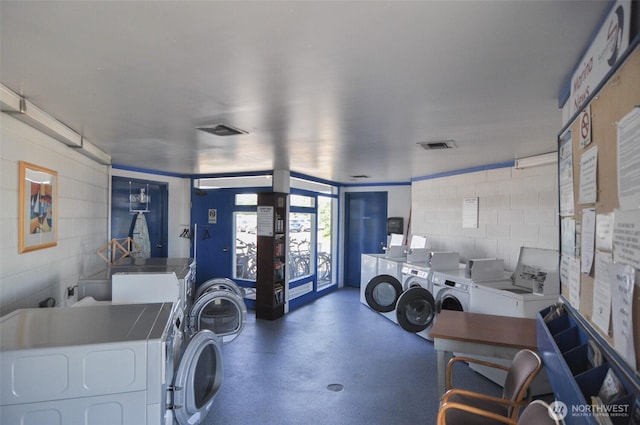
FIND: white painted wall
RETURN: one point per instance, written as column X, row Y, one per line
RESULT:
column 179, row 208
column 516, row 208
column 83, row 195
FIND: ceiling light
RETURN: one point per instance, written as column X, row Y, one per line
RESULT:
column 222, row 130
column 536, row 161
column 440, row 144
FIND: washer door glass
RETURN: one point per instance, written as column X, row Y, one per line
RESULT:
column 219, row 283
column 220, row 311
column 416, row 309
column 198, row 379
column 382, row 293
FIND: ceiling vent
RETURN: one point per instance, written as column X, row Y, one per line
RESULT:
column 222, row 130
column 359, row 176
column 441, row 144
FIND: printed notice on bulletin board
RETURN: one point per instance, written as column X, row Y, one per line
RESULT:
column 629, row 160
column 265, row 221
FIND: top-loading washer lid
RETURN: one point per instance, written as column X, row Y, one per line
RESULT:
column 198, row 379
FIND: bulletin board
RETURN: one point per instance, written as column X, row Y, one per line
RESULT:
column 616, row 99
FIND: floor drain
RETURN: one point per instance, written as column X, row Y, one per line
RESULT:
column 335, row 387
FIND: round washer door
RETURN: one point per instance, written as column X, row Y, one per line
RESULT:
column 448, row 301
column 220, row 311
column 219, row 283
column 382, row 293
column 416, row 309
column 198, row 379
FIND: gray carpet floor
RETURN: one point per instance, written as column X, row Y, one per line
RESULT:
column 333, row 362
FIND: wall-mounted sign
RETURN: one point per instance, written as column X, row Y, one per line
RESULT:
column 585, row 127
column 213, row 216
column 470, row 212
column 607, row 47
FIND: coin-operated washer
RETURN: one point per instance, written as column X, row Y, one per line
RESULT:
column 416, row 306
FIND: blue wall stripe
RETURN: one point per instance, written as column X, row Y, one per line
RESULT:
column 466, row 171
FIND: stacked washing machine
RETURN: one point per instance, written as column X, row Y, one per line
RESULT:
column 105, row 364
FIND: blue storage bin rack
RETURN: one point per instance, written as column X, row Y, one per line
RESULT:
column 563, row 344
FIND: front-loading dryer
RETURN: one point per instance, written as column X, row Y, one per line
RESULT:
column 451, row 290
column 382, row 293
column 105, row 364
column 415, row 308
column 219, row 306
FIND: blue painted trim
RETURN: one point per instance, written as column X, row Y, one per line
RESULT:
column 565, row 91
column 605, row 80
column 465, row 171
column 147, row 171
column 375, row 184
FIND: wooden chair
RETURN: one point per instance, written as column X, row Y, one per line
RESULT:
column 536, row 413
column 524, row 368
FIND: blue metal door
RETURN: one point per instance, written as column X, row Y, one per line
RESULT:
column 366, row 230
column 122, row 219
column 212, row 217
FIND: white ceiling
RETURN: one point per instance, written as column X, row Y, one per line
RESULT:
column 329, row 89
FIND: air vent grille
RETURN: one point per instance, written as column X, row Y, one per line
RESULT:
column 222, row 130
column 441, row 144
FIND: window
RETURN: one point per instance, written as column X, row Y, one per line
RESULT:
column 324, row 242
column 244, row 258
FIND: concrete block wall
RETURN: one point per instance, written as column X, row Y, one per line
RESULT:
column 515, row 208
column 83, row 196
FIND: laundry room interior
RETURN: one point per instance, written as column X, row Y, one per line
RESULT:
column 330, row 212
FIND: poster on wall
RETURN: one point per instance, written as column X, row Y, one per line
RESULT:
column 470, row 213
column 588, row 176
column 565, row 176
column 626, row 238
column 265, row 221
column 38, row 194
column 623, row 279
column 628, row 152
column 601, row 312
column 587, row 236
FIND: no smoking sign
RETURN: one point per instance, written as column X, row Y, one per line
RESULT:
column 585, row 126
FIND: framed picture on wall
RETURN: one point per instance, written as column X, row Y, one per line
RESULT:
column 38, row 205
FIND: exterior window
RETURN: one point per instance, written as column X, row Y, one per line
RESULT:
column 244, row 258
column 324, row 242
column 301, row 247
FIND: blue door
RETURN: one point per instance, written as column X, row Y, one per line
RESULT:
column 212, row 217
column 122, row 219
column 366, row 230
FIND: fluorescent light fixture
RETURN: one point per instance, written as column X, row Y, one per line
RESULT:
column 16, row 105
column 239, row 181
column 537, row 160
column 37, row 118
column 93, row 152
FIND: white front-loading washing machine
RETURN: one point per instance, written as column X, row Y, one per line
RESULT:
column 416, row 308
column 451, row 290
column 381, row 292
column 368, row 270
column 105, row 364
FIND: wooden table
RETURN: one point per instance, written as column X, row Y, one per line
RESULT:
column 480, row 334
